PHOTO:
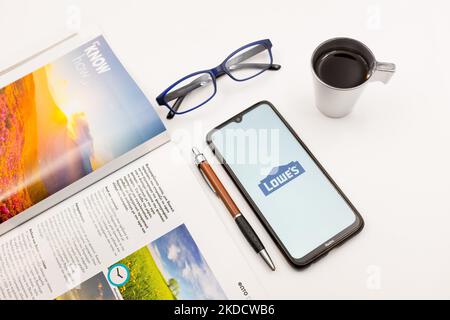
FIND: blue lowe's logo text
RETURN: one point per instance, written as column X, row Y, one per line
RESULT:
column 280, row 176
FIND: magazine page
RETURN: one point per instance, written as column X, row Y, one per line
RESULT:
column 67, row 124
column 147, row 231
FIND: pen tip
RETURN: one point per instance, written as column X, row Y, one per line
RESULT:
column 267, row 259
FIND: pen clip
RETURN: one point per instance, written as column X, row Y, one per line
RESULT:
column 199, row 158
column 207, row 181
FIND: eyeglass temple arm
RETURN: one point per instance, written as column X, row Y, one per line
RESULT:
column 175, row 107
column 183, row 91
column 274, row 67
column 235, row 63
column 246, row 55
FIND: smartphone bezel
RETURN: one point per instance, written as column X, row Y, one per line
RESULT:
column 326, row 246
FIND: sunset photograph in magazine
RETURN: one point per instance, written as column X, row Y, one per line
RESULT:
column 65, row 120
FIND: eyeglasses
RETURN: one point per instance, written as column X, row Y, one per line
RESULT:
column 198, row 88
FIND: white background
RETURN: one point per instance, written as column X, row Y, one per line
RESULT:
column 391, row 156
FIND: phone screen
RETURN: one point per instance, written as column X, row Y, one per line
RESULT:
column 299, row 202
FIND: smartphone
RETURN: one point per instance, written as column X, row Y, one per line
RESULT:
column 300, row 205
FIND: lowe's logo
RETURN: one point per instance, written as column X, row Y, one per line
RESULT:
column 280, row 176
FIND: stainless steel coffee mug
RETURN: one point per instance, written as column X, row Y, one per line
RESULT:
column 342, row 68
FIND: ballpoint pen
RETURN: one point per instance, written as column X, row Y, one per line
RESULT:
column 214, row 183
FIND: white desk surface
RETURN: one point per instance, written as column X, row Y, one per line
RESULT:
column 391, row 156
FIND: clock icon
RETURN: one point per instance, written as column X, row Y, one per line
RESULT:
column 118, row 274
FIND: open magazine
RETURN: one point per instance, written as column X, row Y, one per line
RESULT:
column 116, row 213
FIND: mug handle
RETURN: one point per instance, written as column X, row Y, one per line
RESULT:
column 383, row 72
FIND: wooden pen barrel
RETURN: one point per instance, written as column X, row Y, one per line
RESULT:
column 219, row 189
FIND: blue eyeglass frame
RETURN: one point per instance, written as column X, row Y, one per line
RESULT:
column 215, row 73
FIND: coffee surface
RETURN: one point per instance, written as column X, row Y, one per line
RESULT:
column 342, row 69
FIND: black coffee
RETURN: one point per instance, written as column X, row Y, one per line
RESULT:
column 342, row 69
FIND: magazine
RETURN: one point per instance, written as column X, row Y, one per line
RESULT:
column 116, row 212
column 66, row 125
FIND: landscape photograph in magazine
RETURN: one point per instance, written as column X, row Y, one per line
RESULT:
column 66, row 119
column 169, row 268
